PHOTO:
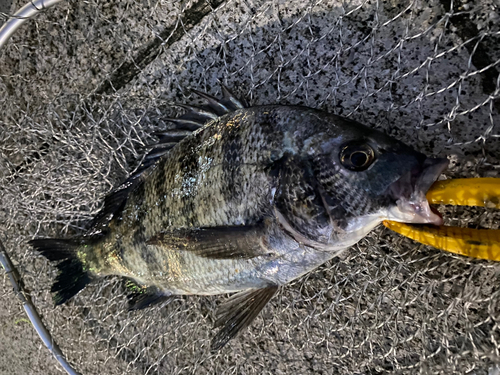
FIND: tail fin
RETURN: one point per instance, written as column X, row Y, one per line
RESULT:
column 72, row 276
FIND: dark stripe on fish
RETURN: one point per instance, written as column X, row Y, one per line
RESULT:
column 189, row 169
column 232, row 173
column 268, row 140
column 142, row 220
column 149, row 255
column 297, row 184
column 140, row 215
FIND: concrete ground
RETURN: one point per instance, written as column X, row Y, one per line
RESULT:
column 84, row 85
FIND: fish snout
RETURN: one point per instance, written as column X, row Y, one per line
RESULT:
column 414, row 207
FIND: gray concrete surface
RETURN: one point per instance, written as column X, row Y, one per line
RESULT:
column 5, row 6
column 84, row 86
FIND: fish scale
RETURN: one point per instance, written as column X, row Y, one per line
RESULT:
column 252, row 199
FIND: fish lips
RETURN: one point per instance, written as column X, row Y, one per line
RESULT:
column 409, row 192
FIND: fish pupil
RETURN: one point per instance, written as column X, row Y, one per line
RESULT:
column 359, row 159
column 357, row 156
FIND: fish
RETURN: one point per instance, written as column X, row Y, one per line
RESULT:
column 244, row 199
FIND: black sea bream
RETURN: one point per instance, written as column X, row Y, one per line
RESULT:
column 251, row 199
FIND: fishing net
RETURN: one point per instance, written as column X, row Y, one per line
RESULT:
column 83, row 86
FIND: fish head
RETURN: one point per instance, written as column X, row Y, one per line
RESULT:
column 364, row 176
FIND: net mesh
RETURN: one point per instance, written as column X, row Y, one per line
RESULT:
column 84, row 85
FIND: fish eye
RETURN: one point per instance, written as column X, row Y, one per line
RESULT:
column 357, row 156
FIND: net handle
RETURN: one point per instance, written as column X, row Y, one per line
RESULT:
column 21, row 16
column 29, row 307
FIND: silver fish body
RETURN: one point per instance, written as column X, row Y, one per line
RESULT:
column 253, row 199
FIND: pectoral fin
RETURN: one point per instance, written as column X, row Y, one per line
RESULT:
column 234, row 242
column 238, row 312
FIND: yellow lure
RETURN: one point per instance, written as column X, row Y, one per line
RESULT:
column 481, row 192
column 476, row 243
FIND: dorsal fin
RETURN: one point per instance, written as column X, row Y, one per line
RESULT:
column 231, row 101
column 193, row 119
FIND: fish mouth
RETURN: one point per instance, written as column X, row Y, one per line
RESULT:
column 409, row 192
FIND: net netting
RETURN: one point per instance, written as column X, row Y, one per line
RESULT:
column 84, row 85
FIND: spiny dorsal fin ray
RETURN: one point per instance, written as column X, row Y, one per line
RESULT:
column 230, row 100
column 159, row 151
column 200, row 111
column 184, row 124
column 214, row 104
column 238, row 312
column 167, row 145
column 172, row 135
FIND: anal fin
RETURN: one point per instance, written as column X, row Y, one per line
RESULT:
column 144, row 296
column 238, row 312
